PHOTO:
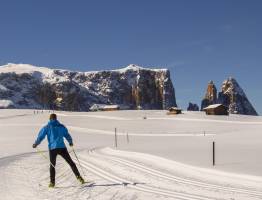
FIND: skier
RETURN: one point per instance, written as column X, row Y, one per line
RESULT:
column 56, row 133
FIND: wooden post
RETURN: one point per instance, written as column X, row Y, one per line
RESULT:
column 127, row 138
column 214, row 154
column 115, row 138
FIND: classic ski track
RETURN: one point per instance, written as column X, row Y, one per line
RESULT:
column 93, row 166
column 154, row 172
column 153, row 190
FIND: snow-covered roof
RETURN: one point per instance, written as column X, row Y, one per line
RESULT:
column 96, row 106
column 213, row 106
column 103, row 106
column 111, row 106
column 174, row 108
column 6, row 103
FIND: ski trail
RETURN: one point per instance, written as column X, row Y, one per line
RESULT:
column 157, row 173
column 26, row 177
column 145, row 188
column 96, row 116
column 206, row 120
column 162, row 118
column 105, row 132
column 115, row 176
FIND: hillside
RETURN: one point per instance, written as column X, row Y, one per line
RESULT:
column 166, row 157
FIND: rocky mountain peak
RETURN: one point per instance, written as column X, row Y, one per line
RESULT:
column 231, row 86
column 234, row 97
column 192, row 107
column 210, row 96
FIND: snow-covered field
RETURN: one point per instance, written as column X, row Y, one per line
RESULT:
column 158, row 156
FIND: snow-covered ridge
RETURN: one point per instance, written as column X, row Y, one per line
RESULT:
column 23, row 68
column 27, row 68
column 137, row 68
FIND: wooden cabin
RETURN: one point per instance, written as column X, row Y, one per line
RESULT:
column 174, row 111
column 6, row 104
column 104, row 107
column 216, row 109
column 111, row 107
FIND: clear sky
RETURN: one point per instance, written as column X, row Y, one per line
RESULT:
column 198, row 40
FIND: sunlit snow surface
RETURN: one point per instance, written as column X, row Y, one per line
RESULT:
column 158, row 156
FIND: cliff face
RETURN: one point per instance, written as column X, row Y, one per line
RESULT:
column 233, row 96
column 132, row 87
column 210, row 96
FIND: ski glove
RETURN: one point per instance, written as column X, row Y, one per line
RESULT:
column 34, row 145
column 70, row 144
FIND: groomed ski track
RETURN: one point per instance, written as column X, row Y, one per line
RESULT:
column 116, row 175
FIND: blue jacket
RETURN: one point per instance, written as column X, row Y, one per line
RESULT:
column 56, row 133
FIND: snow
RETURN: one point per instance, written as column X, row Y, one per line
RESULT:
column 27, row 68
column 157, row 157
column 213, row 106
column 3, row 88
column 137, row 68
column 5, row 103
column 23, row 68
column 233, row 86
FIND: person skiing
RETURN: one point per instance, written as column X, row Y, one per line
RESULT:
column 56, row 132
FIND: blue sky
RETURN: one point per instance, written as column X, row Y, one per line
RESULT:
column 198, row 40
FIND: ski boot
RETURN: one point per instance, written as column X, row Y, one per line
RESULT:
column 80, row 179
column 51, row 185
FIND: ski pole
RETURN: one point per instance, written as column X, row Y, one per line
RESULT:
column 78, row 161
column 44, row 156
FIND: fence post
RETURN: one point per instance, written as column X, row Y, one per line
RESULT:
column 127, row 138
column 214, row 154
column 115, row 138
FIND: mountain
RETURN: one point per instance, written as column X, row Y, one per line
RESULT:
column 192, row 107
column 233, row 96
column 134, row 87
column 210, row 96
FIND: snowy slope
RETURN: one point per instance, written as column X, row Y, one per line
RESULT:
column 166, row 157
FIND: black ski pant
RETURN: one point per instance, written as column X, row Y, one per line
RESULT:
column 64, row 153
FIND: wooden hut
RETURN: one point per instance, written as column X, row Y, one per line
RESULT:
column 174, row 111
column 104, row 107
column 111, row 107
column 216, row 109
column 96, row 107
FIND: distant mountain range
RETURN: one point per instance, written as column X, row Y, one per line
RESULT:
column 132, row 87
